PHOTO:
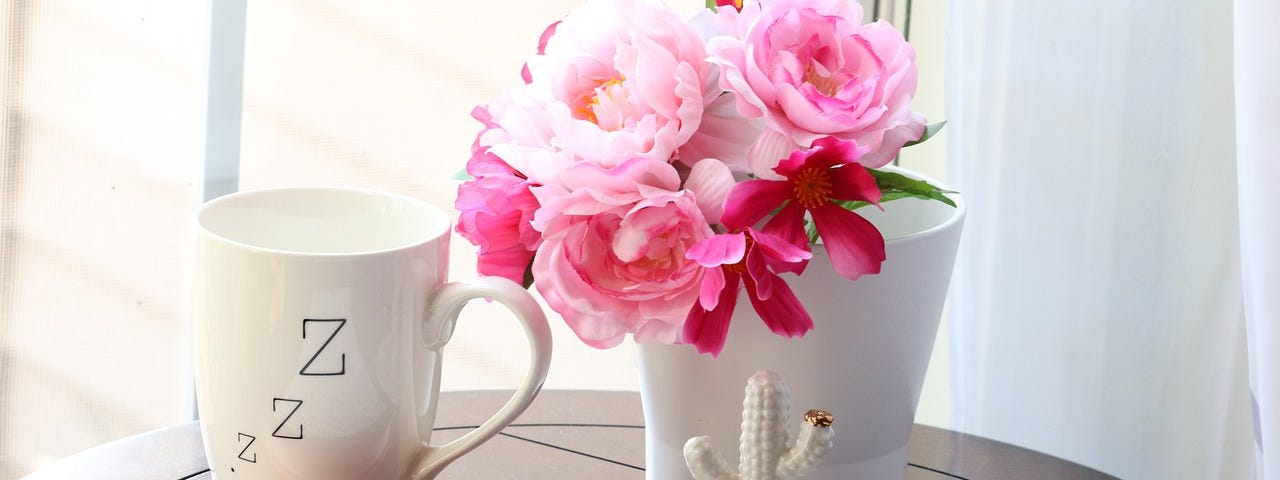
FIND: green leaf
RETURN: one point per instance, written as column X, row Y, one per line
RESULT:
column 711, row 4
column 884, row 198
column 811, row 229
column 528, row 275
column 896, row 185
column 462, row 176
column 929, row 132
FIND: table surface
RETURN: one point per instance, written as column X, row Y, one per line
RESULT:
column 564, row 435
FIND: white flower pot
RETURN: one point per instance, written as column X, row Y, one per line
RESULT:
column 864, row 361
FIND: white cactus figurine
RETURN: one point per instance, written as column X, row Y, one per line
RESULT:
column 764, row 453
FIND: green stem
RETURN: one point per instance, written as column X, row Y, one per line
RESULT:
column 711, row 4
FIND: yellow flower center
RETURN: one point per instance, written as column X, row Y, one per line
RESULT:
column 826, row 85
column 588, row 109
column 812, row 187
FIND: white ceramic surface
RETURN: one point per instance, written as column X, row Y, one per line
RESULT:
column 320, row 314
column 864, row 362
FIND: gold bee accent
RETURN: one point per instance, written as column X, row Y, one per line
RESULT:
column 819, row 418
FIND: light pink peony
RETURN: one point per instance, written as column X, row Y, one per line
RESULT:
column 620, row 80
column 810, row 69
column 612, row 259
column 496, row 211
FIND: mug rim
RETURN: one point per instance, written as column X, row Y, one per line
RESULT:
column 441, row 219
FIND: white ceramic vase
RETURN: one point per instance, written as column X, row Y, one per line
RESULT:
column 864, row 361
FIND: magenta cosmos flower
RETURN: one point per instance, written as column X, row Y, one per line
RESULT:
column 734, row 259
column 813, row 180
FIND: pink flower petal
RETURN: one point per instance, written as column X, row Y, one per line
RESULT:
column 762, row 278
column 854, row 182
column 788, row 225
column 795, row 160
column 542, row 49
column 509, row 263
column 782, row 312
column 832, row 151
column 724, row 134
column 546, row 36
column 714, row 251
column 893, row 140
column 855, row 246
column 751, row 200
column 765, row 153
column 710, row 181
column 777, row 248
column 713, row 283
column 707, row 330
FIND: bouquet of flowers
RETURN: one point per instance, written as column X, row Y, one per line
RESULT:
column 653, row 166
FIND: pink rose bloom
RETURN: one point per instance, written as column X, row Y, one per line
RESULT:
column 497, row 211
column 612, row 259
column 810, row 69
column 622, row 79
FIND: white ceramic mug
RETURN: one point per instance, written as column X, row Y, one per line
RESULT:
column 319, row 317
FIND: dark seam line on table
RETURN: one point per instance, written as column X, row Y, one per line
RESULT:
column 570, row 450
column 934, row 470
column 557, row 447
column 601, row 425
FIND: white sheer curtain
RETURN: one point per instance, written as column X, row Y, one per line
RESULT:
column 1257, row 69
column 101, row 147
column 1098, row 309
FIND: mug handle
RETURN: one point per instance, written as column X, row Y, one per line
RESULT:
column 443, row 311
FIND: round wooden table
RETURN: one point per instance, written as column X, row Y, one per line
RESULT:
column 564, row 435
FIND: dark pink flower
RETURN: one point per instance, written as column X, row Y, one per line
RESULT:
column 737, row 4
column 497, row 211
column 735, row 259
column 813, row 180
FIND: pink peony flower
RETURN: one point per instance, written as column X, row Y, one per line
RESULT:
column 811, row 69
column 612, row 259
column 521, row 135
column 620, row 80
column 496, row 211
column 744, row 258
column 813, row 180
